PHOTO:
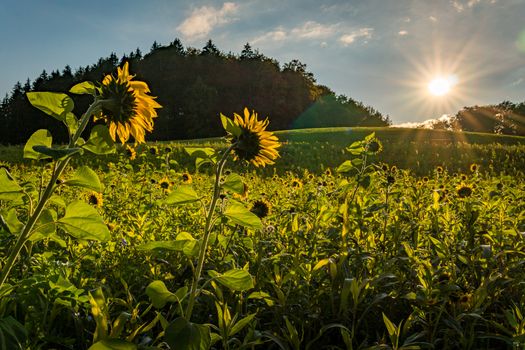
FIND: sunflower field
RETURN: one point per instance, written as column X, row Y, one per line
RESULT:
column 259, row 240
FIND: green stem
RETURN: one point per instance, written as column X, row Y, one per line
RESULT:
column 207, row 231
column 26, row 232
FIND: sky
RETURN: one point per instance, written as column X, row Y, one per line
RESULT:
column 381, row 52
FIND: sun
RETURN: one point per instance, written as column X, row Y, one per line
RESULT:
column 441, row 86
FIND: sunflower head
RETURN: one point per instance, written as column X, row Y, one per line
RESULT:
column 474, row 167
column 164, row 184
column 297, row 184
column 251, row 142
column 261, row 208
column 127, row 108
column 464, row 191
column 374, row 146
column 130, row 152
column 186, row 178
column 153, row 150
column 95, row 199
column 439, row 169
column 328, row 172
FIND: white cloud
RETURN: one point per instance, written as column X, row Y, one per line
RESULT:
column 461, row 5
column 517, row 82
column 427, row 124
column 204, row 19
column 433, row 19
column 402, row 33
column 313, row 30
column 350, row 38
column 276, row 35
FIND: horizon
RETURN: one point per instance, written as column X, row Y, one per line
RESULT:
column 411, row 60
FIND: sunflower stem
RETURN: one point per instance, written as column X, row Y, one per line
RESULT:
column 57, row 171
column 207, row 231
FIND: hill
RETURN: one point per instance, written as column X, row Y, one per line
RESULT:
column 194, row 86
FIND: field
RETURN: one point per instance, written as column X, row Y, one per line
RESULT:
column 418, row 245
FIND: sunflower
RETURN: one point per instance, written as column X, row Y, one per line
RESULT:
column 164, row 183
column 296, row 183
column 186, row 178
column 464, row 191
column 261, row 208
column 130, row 152
column 95, row 198
column 254, row 144
column 127, row 108
column 328, row 172
column 474, row 167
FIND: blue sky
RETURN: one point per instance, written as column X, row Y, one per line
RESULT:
column 381, row 52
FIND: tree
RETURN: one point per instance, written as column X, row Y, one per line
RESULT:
column 210, row 49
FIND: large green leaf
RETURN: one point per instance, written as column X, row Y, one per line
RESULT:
column 182, row 195
column 178, row 244
column 83, row 88
column 113, row 344
column 9, row 189
column 56, row 153
column 40, row 137
column 182, row 334
column 87, row 178
column 54, row 104
column 45, row 226
column 237, row 213
column 14, row 225
column 233, row 183
column 83, row 222
column 100, row 141
column 160, row 295
column 235, row 279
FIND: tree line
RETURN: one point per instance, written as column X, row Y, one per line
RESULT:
column 194, row 86
column 505, row 118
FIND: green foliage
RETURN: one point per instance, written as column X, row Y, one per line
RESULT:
column 41, row 138
column 55, row 104
column 84, row 222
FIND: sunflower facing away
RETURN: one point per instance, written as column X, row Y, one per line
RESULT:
column 254, row 144
column 127, row 109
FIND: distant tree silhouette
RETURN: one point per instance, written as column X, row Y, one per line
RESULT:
column 194, row 86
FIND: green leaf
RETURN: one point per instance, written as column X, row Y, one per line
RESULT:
column 71, row 122
column 391, row 328
column 56, row 153
column 230, row 126
column 45, row 225
column 241, row 324
column 237, row 213
column 11, row 220
column 235, row 279
column 160, row 295
column 85, row 177
column 178, row 244
column 54, row 104
column 82, row 221
column 9, row 189
column 113, row 344
column 40, row 137
column 99, row 310
column 83, row 88
column 182, row 195
column 203, row 155
column 345, row 167
column 100, row 141
column 13, row 334
column 233, row 183
column 182, row 334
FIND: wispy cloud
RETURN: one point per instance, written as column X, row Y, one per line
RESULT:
column 460, row 5
column 279, row 34
column 314, row 30
column 402, row 33
column 204, row 19
column 350, row 38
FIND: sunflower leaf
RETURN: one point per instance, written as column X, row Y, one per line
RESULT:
column 230, row 126
column 56, row 153
column 40, row 137
column 9, row 189
column 82, row 221
column 235, row 279
column 85, row 177
column 182, row 195
column 237, row 213
column 54, row 104
column 84, row 88
column 100, row 141
column 233, row 183
column 183, row 334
